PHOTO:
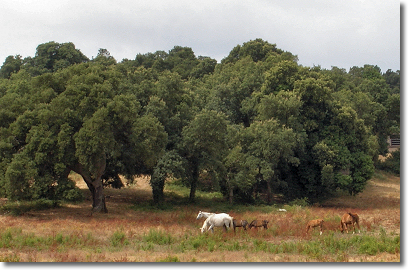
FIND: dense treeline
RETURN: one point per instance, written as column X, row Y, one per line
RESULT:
column 256, row 123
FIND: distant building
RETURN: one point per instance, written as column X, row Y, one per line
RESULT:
column 394, row 142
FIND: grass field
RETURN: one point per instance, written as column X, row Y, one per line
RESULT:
column 134, row 231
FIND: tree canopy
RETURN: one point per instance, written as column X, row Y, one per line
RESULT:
column 256, row 123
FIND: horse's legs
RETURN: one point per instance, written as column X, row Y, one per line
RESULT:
column 358, row 225
column 344, row 226
column 354, row 228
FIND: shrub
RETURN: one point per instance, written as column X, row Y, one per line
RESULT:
column 158, row 237
column 118, row 239
column 391, row 164
column 300, row 202
column 68, row 191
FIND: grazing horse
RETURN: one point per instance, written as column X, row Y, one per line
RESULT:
column 315, row 223
column 349, row 219
column 207, row 214
column 257, row 223
column 217, row 220
column 242, row 223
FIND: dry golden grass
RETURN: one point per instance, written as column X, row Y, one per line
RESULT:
column 378, row 207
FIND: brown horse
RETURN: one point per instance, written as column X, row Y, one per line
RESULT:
column 257, row 223
column 243, row 223
column 349, row 219
column 315, row 223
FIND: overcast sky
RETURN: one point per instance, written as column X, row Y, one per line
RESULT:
column 342, row 33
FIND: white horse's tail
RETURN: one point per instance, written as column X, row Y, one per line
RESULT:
column 231, row 223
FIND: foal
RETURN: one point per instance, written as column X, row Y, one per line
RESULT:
column 349, row 219
column 243, row 223
column 257, row 223
column 315, row 223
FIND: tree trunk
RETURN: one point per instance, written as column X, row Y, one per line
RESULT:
column 157, row 184
column 269, row 192
column 94, row 183
column 99, row 204
column 194, row 180
column 231, row 194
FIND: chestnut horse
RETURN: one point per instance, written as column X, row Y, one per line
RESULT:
column 243, row 223
column 349, row 219
column 315, row 223
column 257, row 223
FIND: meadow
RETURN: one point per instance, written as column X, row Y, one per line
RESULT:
column 136, row 231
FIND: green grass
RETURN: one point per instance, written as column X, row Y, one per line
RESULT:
column 332, row 245
column 16, row 238
column 20, row 207
column 158, row 237
column 118, row 239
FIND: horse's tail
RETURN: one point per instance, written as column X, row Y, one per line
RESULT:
column 232, row 223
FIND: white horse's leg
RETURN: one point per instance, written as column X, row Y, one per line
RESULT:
column 211, row 228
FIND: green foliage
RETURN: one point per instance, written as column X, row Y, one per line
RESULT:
column 300, row 202
column 392, row 164
column 53, row 56
column 11, row 65
column 257, row 49
column 68, row 191
column 255, row 123
column 158, row 237
column 118, row 239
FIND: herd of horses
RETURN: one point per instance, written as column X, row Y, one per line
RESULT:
column 226, row 221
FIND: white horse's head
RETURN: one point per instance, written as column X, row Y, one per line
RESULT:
column 204, row 214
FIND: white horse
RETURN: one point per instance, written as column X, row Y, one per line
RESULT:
column 215, row 220
column 207, row 214
column 205, row 227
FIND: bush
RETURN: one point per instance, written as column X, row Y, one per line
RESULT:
column 300, row 202
column 118, row 239
column 68, row 191
column 391, row 164
column 158, row 237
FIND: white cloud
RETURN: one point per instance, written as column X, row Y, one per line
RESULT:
column 321, row 32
